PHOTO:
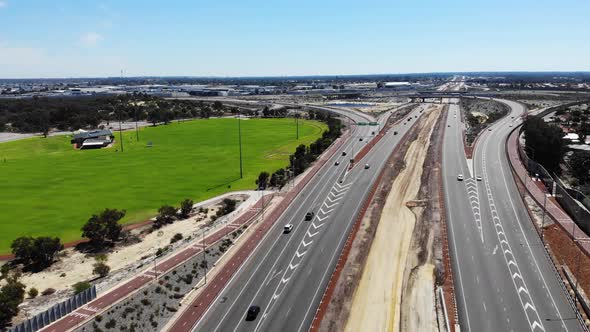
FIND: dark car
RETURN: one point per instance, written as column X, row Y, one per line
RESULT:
column 344, row 153
column 309, row 216
column 360, row 139
column 252, row 313
column 395, row 132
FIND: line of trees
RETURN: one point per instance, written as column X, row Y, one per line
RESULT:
column 544, row 143
column 303, row 156
column 43, row 114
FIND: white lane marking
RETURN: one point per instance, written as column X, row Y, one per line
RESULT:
column 508, row 256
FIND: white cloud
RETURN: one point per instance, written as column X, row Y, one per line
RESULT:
column 90, row 39
column 3, row 4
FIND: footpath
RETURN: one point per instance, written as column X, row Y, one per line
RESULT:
column 537, row 190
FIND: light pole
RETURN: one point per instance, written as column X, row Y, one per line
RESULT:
column 204, row 254
column 136, row 130
column 120, row 132
column 240, row 143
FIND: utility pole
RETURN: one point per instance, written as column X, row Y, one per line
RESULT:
column 297, row 125
column 204, row 254
column 120, row 132
column 136, row 130
column 240, row 143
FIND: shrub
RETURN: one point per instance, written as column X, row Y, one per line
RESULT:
column 110, row 324
column 177, row 237
column 48, row 291
column 81, row 286
column 33, row 292
column 145, row 302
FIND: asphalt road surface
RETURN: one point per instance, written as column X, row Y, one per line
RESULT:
column 288, row 273
column 503, row 279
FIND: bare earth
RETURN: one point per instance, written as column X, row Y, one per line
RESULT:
column 377, row 301
column 124, row 261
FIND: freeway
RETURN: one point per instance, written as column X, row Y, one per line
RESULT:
column 503, row 279
column 287, row 274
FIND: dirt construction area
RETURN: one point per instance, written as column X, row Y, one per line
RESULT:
column 387, row 282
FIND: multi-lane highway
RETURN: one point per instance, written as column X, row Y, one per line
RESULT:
column 503, row 279
column 287, row 274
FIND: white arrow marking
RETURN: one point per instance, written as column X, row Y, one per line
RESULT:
column 324, row 212
column 536, row 324
column 312, row 235
column 516, row 275
column 522, row 289
column 334, row 200
column 293, row 267
column 528, row 305
column 330, row 206
column 322, row 219
column 305, row 244
column 316, row 227
column 337, row 195
column 300, row 255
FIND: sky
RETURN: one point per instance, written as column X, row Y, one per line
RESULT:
column 72, row 38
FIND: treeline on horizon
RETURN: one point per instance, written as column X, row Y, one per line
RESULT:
column 34, row 115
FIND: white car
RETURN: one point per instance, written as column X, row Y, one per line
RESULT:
column 478, row 178
column 510, row 125
column 287, row 228
column 460, row 177
column 367, row 166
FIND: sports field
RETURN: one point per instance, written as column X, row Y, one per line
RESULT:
column 48, row 188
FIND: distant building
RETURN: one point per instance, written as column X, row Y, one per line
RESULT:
column 93, row 139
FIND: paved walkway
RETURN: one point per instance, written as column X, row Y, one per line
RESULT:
column 85, row 312
column 537, row 190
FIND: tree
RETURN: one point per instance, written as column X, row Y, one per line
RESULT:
column 228, row 205
column 544, row 142
column 40, row 252
column 45, row 250
column 22, row 249
column 217, row 105
column 104, row 226
column 166, row 215
column 186, row 207
column 262, row 180
column 580, row 165
column 11, row 295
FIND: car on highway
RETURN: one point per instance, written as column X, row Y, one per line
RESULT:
column 336, row 163
column 309, row 215
column 395, row 132
column 367, row 166
column 287, row 228
column 460, row 177
column 478, row 178
column 510, row 125
column 360, row 139
column 372, row 133
column 252, row 313
column 489, row 129
column 344, row 153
